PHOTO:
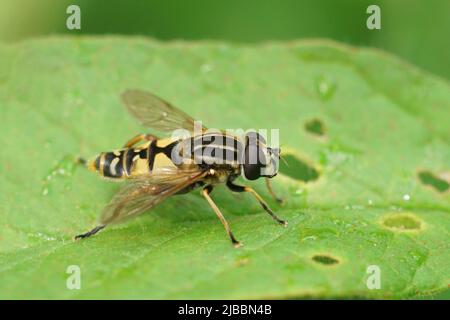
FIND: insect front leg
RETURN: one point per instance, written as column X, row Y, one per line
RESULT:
column 91, row 232
column 138, row 138
column 236, row 188
column 205, row 192
column 272, row 193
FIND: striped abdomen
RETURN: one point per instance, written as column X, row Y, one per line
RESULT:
column 120, row 163
column 132, row 162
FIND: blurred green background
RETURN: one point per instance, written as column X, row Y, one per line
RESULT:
column 416, row 30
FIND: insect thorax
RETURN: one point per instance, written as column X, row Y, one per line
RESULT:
column 211, row 150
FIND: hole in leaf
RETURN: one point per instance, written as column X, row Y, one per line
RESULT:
column 402, row 222
column 325, row 259
column 428, row 178
column 315, row 126
column 298, row 169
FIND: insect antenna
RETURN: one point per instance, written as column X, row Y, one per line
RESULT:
column 284, row 160
column 281, row 157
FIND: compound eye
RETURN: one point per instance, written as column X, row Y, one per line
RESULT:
column 252, row 171
column 254, row 161
column 253, row 137
column 252, row 168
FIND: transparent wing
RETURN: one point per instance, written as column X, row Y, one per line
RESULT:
column 153, row 112
column 142, row 194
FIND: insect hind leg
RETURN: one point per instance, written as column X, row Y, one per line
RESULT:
column 90, row 233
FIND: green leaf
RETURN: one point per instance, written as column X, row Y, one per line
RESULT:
column 366, row 137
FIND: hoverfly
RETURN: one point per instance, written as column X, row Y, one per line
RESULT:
column 154, row 172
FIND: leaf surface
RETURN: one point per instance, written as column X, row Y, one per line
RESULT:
column 366, row 138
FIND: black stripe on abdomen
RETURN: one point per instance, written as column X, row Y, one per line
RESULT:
column 113, row 164
column 130, row 157
column 97, row 163
column 151, row 153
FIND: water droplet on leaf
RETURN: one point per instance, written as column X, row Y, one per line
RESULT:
column 64, row 168
column 325, row 88
column 205, row 68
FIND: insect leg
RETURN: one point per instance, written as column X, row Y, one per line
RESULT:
column 91, row 232
column 237, row 188
column 272, row 193
column 139, row 138
column 205, row 192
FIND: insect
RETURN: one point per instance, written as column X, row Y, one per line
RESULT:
column 155, row 169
